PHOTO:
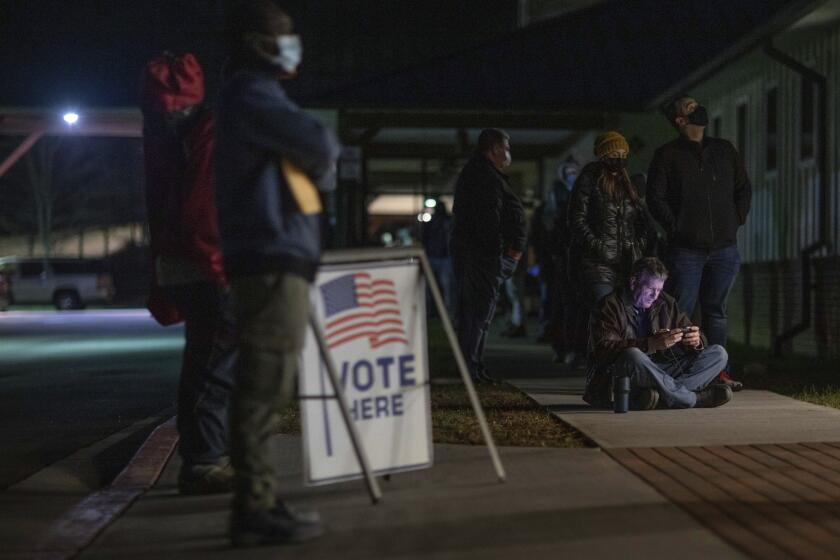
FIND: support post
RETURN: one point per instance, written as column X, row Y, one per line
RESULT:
column 20, row 151
column 370, row 480
column 462, row 366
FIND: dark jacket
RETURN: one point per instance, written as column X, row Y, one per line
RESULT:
column 179, row 194
column 606, row 237
column 260, row 222
column 488, row 216
column 435, row 235
column 699, row 193
column 611, row 331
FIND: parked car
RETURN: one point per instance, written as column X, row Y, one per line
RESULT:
column 65, row 283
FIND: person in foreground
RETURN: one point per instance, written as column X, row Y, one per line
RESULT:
column 272, row 159
column 638, row 331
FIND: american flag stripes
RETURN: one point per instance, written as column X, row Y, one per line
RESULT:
column 360, row 306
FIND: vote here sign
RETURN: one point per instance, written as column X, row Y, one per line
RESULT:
column 374, row 319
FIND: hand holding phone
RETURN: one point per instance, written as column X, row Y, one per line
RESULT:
column 664, row 339
column 691, row 336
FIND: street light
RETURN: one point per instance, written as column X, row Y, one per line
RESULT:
column 430, row 203
column 71, row 118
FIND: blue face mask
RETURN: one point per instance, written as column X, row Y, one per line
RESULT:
column 289, row 50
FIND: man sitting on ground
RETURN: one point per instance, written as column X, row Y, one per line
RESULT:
column 639, row 332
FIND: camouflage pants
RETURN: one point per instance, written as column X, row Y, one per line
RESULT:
column 272, row 312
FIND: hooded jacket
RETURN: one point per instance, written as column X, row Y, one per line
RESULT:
column 262, row 227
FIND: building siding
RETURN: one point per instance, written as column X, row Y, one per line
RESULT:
column 766, row 300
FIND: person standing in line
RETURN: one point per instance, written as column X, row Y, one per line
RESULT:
column 488, row 239
column 699, row 191
column 435, row 238
column 541, row 240
column 568, row 323
column 272, row 160
column 190, row 281
column 606, row 219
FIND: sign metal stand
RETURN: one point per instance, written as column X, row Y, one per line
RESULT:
column 370, row 480
column 362, row 255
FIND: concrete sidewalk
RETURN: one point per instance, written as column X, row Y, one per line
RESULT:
column 752, row 417
column 762, row 472
column 647, row 496
column 574, row 503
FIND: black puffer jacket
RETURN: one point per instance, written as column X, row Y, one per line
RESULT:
column 606, row 237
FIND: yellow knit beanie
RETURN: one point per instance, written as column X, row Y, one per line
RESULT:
column 610, row 142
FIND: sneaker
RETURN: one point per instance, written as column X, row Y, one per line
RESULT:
column 280, row 525
column 726, row 379
column 300, row 514
column 646, row 399
column 197, row 480
column 713, row 396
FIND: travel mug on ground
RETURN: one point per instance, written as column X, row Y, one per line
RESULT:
column 621, row 393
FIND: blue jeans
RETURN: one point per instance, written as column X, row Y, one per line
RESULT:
column 207, row 371
column 705, row 276
column 678, row 380
column 442, row 268
column 515, row 304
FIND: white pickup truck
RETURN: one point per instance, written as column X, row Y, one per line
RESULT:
column 65, row 283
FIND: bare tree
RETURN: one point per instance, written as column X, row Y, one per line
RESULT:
column 40, row 164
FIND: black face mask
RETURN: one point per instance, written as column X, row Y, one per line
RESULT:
column 615, row 164
column 700, row 116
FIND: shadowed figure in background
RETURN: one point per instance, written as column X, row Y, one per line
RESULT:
column 488, row 238
column 190, row 282
column 435, row 238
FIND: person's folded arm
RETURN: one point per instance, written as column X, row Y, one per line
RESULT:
column 277, row 125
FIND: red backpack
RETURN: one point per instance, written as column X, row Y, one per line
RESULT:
column 171, row 83
column 177, row 139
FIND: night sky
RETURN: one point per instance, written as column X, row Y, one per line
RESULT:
column 90, row 53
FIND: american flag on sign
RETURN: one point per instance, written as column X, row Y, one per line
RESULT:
column 359, row 306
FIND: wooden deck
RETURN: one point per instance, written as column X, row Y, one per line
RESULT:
column 770, row 501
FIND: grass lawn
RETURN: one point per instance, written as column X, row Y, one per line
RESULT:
column 514, row 419
column 806, row 378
